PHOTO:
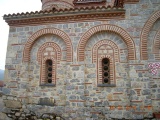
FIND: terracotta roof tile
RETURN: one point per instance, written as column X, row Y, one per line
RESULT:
column 54, row 11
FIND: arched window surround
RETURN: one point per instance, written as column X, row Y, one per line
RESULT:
column 114, row 57
column 48, row 51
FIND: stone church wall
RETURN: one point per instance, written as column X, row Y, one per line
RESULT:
column 76, row 95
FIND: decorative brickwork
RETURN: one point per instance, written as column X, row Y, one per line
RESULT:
column 105, row 49
column 108, row 43
column 112, row 69
column 89, row 2
column 49, row 47
column 131, row 1
column 50, row 4
column 147, row 27
column 35, row 36
column 43, row 80
column 156, row 46
column 48, row 51
column 103, row 78
column 126, row 37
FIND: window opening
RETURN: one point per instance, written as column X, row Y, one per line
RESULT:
column 105, row 71
column 49, row 71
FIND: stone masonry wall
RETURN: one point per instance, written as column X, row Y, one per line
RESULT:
column 76, row 95
column 14, row 109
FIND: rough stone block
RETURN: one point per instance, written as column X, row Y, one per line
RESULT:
column 12, row 104
column 18, row 114
column 4, row 117
column 46, row 101
column 58, row 118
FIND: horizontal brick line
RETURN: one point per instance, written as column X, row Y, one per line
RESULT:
column 114, row 100
column 87, row 83
column 155, row 99
column 75, row 65
column 136, row 101
column 77, row 101
column 135, row 64
column 117, row 93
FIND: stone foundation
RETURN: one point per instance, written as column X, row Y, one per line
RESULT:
column 14, row 109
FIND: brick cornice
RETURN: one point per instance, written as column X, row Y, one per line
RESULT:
column 145, row 32
column 79, row 14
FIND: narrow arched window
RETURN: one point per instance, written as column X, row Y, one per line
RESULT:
column 105, row 71
column 49, row 71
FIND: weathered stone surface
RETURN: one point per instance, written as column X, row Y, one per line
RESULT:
column 6, row 91
column 146, row 92
column 1, row 104
column 76, row 94
column 18, row 114
column 4, row 116
column 76, row 68
column 46, row 101
column 12, row 104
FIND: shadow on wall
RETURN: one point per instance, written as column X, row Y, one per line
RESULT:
column 1, row 85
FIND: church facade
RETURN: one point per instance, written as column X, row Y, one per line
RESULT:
column 86, row 59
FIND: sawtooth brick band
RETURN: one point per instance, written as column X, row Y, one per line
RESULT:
column 106, row 27
column 35, row 36
column 145, row 32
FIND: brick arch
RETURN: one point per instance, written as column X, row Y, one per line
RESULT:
column 54, row 46
column 105, row 42
column 111, row 28
column 35, row 36
column 145, row 32
column 156, row 45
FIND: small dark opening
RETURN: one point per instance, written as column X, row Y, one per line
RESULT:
column 49, row 80
column 105, row 61
column 106, row 74
column 105, row 70
column 105, row 67
column 106, row 80
column 50, row 62
column 49, row 71
column 50, row 75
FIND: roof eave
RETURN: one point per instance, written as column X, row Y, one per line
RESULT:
column 67, row 16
